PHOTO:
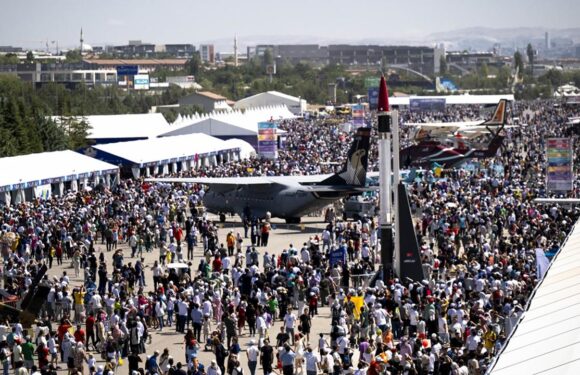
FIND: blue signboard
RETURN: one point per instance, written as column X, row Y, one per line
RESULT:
column 373, row 98
column 127, row 70
column 337, row 256
column 427, row 104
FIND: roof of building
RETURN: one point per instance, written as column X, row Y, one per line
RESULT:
column 48, row 167
column 547, row 338
column 165, row 149
column 211, row 95
column 145, row 125
column 136, row 61
column 454, row 99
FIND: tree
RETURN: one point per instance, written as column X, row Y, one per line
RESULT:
column 442, row 65
column 518, row 62
column 484, row 70
column 268, row 58
column 193, row 66
column 74, row 56
column 530, row 53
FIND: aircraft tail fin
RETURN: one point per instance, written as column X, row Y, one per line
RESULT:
column 499, row 115
column 494, row 145
column 354, row 171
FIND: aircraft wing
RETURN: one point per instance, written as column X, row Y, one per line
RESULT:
column 340, row 188
column 233, row 182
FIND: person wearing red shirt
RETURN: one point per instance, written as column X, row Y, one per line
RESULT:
column 62, row 329
column 217, row 264
column 90, row 324
column 80, row 335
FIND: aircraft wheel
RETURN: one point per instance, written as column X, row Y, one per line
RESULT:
column 293, row 220
column 222, row 217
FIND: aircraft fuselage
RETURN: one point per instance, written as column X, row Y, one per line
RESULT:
column 287, row 202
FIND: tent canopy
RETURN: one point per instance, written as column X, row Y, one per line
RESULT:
column 234, row 123
column 269, row 98
column 146, row 125
column 49, row 167
column 166, row 149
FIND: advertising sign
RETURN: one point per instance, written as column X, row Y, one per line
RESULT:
column 141, row 82
column 267, row 140
column 560, row 156
column 427, row 104
column 373, row 98
column 127, row 70
column 358, row 115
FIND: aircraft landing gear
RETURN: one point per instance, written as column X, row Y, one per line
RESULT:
column 293, row 220
column 222, row 217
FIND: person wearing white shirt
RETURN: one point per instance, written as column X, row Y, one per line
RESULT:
column 252, row 354
column 312, row 362
column 289, row 320
column 261, row 326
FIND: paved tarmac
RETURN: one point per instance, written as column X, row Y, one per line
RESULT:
column 280, row 237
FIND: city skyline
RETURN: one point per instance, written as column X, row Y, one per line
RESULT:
column 183, row 21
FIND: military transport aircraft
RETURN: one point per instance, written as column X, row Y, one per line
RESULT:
column 287, row 197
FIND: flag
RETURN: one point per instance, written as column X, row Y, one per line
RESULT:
column 542, row 263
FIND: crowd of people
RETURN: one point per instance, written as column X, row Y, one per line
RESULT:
column 477, row 226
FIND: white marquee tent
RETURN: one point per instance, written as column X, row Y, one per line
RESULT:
column 26, row 177
column 229, row 124
column 546, row 340
column 269, row 98
column 169, row 154
column 116, row 128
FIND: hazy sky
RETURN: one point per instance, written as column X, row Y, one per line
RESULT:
column 28, row 22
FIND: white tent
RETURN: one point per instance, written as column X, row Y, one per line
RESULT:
column 546, row 340
column 235, row 123
column 34, row 170
column 169, row 153
column 131, row 126
column 271, row 98
column 246, row 149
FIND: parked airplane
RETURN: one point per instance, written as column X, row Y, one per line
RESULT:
column 436, row 129
column 287, row 197
column 458, row 143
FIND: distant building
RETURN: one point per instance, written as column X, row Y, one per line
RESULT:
column 206, row 100
column 10, row 49
column 136, row 49
column 295, row 53
column 547, row 41
column 422, row 59
column 207, row 53
column 180, row 50
column 145, row 65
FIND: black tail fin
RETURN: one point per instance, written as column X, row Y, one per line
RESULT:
column 499, row 115
column 354, row 171
column 494, row 145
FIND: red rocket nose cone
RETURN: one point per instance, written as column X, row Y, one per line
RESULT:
column 383, row 96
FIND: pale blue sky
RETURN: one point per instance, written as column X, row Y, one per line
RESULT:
column 28, row 22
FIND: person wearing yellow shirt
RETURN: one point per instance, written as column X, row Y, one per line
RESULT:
column 489, row 339
column 79, row 300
